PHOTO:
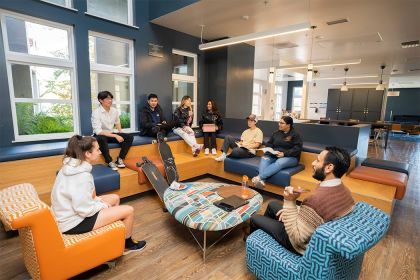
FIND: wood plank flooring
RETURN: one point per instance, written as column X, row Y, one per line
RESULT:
column 172, row 253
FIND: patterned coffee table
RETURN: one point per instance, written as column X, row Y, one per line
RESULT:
column 193, row 207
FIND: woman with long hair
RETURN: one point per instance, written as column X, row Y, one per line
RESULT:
column 74, row 202
column 183, row 119
column 212, row 117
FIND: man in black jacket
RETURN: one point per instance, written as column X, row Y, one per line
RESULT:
column 152, row 119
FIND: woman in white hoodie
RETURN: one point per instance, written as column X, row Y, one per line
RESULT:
column 75, row 205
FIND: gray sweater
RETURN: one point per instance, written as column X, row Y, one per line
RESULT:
column 72, row 194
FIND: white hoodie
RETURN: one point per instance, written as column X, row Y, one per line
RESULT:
column 71, row 196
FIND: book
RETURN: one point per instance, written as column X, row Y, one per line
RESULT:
column 268, row 150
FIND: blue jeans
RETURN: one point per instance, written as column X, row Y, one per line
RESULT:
column 271, row 165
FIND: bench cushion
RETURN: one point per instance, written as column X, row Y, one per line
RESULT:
column 382, row 176
column 316, row 148
column 105, row 179
column 387, row 165
column 132, row 164
column 249, row 167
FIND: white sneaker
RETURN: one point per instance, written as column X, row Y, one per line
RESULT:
column 221, row 158
column 206, row 151
column 120, row 163
column 213, row 151
column 113, row 166
column 255, row 180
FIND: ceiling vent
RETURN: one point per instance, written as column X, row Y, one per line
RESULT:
column 337, row 21
column 410, row 44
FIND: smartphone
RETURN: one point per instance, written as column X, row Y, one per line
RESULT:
column 300, row 190
column 224, row 206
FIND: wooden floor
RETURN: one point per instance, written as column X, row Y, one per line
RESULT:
column 172, row 253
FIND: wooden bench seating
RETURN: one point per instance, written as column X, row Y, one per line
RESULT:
column 40, row 172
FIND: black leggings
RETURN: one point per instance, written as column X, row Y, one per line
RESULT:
column 210, row 140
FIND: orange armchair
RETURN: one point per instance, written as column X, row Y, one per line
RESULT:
column 47, row 253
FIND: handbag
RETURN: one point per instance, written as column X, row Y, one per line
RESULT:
column 209, row 127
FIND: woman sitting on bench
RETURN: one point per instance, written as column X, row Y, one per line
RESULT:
column 74, row 203
column 183, row 119
column 287, row 146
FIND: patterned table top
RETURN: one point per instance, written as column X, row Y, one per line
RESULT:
column 194, row 207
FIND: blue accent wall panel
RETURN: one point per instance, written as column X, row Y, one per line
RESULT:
column 152, row 74
column 159, row 8
column 408, row 103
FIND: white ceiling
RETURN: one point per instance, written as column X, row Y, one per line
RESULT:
column 374, row 33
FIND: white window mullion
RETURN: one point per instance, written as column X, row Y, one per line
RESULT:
column 107, row 69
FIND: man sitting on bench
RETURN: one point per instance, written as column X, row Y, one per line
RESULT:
column 152, row 119
column 292, row 227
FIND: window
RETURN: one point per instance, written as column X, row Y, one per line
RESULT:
column 184, row 79
column 112, row 69
column 41, row 73
column 64, row 3
column 278, row 97
column 257, row 99
column 116, row 10
column 297, row 100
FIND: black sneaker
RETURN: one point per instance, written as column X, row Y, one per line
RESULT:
column 137, row 247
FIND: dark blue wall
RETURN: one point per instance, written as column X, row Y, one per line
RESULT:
column 152, row 74
column 408, row 103
column 162, row 7
column 290, row 86
column 216, row 76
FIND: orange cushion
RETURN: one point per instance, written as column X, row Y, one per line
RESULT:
column 382, row 176
column 142, row 179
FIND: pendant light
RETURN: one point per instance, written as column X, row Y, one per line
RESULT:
column 310, row 65
column 344, row 86
column 381, row 86
column 272, row 69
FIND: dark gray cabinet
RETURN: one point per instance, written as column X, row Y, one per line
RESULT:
column 367, row 104
column 339, row 104
column 359, row 104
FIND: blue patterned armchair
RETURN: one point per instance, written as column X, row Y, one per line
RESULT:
column 335, row 251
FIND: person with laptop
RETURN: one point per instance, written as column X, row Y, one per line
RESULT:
column 211, row 123
column 292, row 226
column 245, row 147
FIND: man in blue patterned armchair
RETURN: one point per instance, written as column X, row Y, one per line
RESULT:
column 292, row 226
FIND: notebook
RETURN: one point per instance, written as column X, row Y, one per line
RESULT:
column 209, row 127
column 230, row 203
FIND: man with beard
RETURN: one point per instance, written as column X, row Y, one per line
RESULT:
column 293, row 226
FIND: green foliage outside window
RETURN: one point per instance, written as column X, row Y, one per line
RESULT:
column 31, row 122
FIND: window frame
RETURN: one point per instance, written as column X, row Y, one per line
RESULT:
column 297, row 96
column 258, row 98
column 12, row 57
column 187, row 79
column 115, row 70
column 68, row 5
column 130, row 14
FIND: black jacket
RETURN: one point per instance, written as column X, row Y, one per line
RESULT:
column 289, row 143
column 181, row 117
column 146, row 119
column 212, row 118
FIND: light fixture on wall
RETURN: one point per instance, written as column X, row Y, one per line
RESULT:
column 256, row 36
column 310, row 65
column 381, row 86
column 344, row 86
